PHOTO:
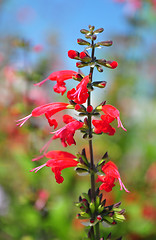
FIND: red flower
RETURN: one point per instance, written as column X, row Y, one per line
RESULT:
column 66, row 133
column 111, row 171
column 79, row 95
column 103, row 125
column 47, row 109
column 107, row 182
column 60, row 77
column 113, row 113
column 59, row 160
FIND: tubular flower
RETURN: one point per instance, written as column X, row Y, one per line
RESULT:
column 47, row 109
column 60, row 77
column 112, row 173
column 103, row 125
column 113, row 113
column 58, row 161
column 66, row 133
column 79, row 95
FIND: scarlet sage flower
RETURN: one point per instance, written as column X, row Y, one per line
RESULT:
column 59, row 160
column 113, row 113
column 112, row 173
column 47, row 109
column 60, row 77
column 103, row 125
column 79, row 95
column 66, row 133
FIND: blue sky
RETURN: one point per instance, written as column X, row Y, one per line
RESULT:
column 63, row 17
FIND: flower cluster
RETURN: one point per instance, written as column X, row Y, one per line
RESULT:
column 92, row 205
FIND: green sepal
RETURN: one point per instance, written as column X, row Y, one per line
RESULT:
column 84, row 31
column 92, row 207
column 83, row 215
column 118, row 217
column 78, row 204
column 106, row 43
column 81, row 171
column 99, row 30
column 97, row 202
column 102, row 161
column 100, row 208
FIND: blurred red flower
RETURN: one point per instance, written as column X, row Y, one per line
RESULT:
column 60, row 77
column 112, row 173
column 48, row 109
column 59, row 160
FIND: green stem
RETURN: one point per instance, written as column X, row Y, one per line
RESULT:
column 90, row 136
column 95, row 235
column 97, row 230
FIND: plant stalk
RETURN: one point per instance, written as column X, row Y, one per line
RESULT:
column 95, row 235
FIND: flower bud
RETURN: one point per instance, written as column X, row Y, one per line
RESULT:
column 77, row 107
column 91, row 27
column 89, row 109
column 105, row 43
column 100, row 208
column 84, row 56
column 99, row 30
column 84, row 31
column 101, row 61
column 92, row 207
column 99, row 68
column 99, row 218
column 94, row 37
column 91, row 220
column 88, row 35
column 86, row 121
column 97, row 201
column 77, row 77
column 116, row 205
column 99, row 84
column 73, row 54
column 81, row 64
column 119, row 217
column 81, row 41
column 111, row 64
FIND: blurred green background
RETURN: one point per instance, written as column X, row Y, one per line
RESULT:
column 34, row 40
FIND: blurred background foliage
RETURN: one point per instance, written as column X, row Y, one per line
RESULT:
column 34, row 206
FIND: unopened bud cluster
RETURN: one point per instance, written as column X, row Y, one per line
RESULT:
column 84, row 57
column 97, row 211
